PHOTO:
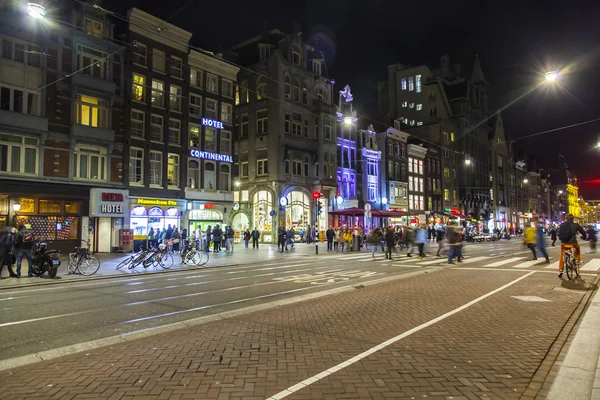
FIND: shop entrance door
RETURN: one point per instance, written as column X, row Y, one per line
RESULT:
column 104, row 232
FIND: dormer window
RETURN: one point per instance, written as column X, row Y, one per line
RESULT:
column 93, row 27
column 297, row 55
column 264, row 51
column 316, row 67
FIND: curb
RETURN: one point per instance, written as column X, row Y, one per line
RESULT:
column 29, row 359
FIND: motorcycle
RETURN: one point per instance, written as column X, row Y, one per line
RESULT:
column 45, row 260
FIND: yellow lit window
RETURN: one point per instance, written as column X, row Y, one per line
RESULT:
column 454, row 195
column 446, row 172
column 138, row 91
column 452, row 136
column 446, row 194
column 91, row 111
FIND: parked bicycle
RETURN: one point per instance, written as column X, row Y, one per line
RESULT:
column 189, row 255
column 163, row 257
column 82, row 261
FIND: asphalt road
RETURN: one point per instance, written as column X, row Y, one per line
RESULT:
column 42, row 318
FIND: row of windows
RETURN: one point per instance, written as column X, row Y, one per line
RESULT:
column 447, row 195
column 262, row 168
column 396, row 149
column 416, row 202
column 21, row 52
column 415, row 166
column 296, row 92
column 412, row 83
column 412, row 122
column 19, row 100
column 175, row 69
column 396, row 171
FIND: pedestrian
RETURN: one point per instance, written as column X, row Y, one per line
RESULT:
column 6, row 255
column 208, row 238
column 229, row 235
column 553, row 235
column 530, row 239
column 440, row 240
column 281, row 238
column 158, row 237
column 375, row 239
column 247, row 237
column 255, row 236
column 217, row 236
column 169, row 233
column 336, row 241
column 341, row 239
column 176, row 239
column 151, row 238
column 410, row 239
column 591, row 235
column 184, row 236
column 289, row 238
column 421, row 240
column 540, row 241
column 453, row 237
column 390, row 242
column 347, row 240
column 23, row 246
column 330, row 234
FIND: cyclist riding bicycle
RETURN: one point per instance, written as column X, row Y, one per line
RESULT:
column 567, row 233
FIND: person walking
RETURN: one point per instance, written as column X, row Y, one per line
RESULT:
column 151, row 238
column 169, row 233
column 390, row 242
column 281, row 238
column 410, row 239
column 158, row 237
column 421, row 240
column 440, row 240
column 591, row 236
column 340, row 237
column 184, row 236
column 6, row 255
column 540, row 241
column 23, row 246
column 530, row 239
column 347, row 240
column 229, row 235
column 289, row 238
column 176, row 239
column 208, row 238
column 255, row 236
column 330, row 234
column 553, row 235
column 453, row 236
column 375, row 239
column 247, row 237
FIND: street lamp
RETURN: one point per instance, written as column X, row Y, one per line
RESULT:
column 16, row 209
column 347, row 120
column 237, row 183
column 560, row 192
column 551, row 76
column 525, row 180
column 36, row 10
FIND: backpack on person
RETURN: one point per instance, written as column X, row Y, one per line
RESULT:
column 565, row 232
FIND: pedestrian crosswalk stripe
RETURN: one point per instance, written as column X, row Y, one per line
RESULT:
column 436, row 261
column 474, row 259
column 592, row 265
column 527, row 264
column 504, row 262
column 554, row 265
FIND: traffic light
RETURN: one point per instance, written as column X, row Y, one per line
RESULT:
column 319, row 207
column 316, row 195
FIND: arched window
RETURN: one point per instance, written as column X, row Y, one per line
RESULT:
column 305, row 94
column 209, row 175
column 321, row 94
column 297, row 57
column 244, row 92
column 224, row 178
column 296, row 90
column 261, row 88
column 288, row 87
column 262, row 206
column 193, row 174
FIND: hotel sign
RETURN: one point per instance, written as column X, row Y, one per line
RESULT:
column 207, row 155
column 212, row 123
column 106, row 202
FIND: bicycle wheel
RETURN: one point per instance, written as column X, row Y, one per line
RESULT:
column 193, row 258
column 138, row 260
column 166, row 260
column 72, row 266
column 125, row 262
column 204, row 259
column 568, row 262
column 88, row 265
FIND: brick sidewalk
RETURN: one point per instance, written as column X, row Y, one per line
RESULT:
column 489, row 350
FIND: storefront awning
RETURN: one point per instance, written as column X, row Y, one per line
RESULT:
column 359, row 212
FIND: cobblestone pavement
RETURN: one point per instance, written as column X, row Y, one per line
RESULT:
column 478, row 348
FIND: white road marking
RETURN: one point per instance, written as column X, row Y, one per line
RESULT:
column 554, row 266
column 504, row 262
column 25, row 321
column 592, row 265
column 309, row 381
column 528, row 264
column 530, row 298
column 474, row 259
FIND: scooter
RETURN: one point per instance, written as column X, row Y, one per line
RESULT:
column 45, row 260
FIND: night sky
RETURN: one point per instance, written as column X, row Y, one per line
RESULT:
column 516, row 43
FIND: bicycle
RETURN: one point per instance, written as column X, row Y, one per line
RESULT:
column 82, row 261
column 128, row 262
column 571, row 264
column 189, row 255
column 162, row 257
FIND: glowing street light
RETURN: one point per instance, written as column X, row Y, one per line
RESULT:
column 347, row 120
column 36, row 10
column 467, row 160
column 237, row 183
column 560, row 192
column 525, row 180
column 551, row 76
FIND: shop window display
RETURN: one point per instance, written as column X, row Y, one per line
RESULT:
column 143, row 218
column 297, row 212
column 262, row 207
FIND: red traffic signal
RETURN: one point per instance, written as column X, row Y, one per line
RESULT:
column 316, row 195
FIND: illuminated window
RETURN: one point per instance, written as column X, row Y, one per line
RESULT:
column 403, row 83
column 140, row 53
column 452, row 136
column 226, row 113
column 158, row 93
column 418, row 81
column 404, row 104
column 419, row 123
column 93, row 27
column 91, row 111
column 175, row 98
column 411, row 105
column 18, row 154
column 138, row 90
column 419, row 107
column 244, row 97
column 411, row 84
column 446, row 194
column 446, row 172
column 194, row 135
column 412, row 122
column 173, row 170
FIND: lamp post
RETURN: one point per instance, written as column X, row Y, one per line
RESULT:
column 36, row 10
